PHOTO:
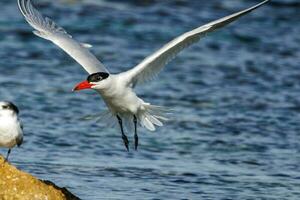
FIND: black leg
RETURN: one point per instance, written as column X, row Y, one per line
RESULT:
column 6, row 159
column 124, row 137
column 136, row 138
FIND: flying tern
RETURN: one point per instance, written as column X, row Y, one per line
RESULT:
column 11, row 130
column 117, row 90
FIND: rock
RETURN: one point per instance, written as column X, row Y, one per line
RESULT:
column 18, row 185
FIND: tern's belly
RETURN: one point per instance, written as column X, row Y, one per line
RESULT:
column 9, row 132
column 7, row 141
column 125, row 103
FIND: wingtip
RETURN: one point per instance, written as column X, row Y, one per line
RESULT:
column 22, row 6
column 264, row 2
column 86, row 45
column 256, row 6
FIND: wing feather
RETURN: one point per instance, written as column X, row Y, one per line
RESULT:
column 48, row 29
column 152, row 65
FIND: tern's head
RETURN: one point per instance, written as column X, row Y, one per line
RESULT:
column 8, row 108
column 94, row 81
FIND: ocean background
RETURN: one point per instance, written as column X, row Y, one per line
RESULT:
column 234, row 133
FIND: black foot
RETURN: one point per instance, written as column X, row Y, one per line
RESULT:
column 126, row 142
column 124, row 137
column 6, row 159
column 136, row 141
column 136, row 138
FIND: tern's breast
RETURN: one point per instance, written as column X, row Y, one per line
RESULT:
column 122, row 100
column 10, row 130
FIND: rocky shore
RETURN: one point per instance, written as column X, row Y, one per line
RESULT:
column 18, row 185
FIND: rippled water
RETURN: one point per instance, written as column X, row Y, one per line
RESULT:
column 235, row 130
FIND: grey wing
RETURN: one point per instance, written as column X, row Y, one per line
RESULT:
column 19, row 139
column 47, row 29
column 153, row 64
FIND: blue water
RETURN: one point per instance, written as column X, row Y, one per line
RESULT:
column 235, row 130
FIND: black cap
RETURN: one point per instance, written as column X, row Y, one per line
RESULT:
column 10, row 106
column 96, row 77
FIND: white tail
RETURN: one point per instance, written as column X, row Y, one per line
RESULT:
column 152, row 116
column 148, row 117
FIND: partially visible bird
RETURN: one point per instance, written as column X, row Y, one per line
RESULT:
column 11, row 129
column 117, row 89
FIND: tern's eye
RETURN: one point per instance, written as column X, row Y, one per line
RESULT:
column 99, row 78
column 5, row 107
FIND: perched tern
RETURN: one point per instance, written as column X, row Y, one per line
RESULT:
column 11, row 130
column 117, row 89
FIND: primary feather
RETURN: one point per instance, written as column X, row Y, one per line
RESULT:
column 48, row 29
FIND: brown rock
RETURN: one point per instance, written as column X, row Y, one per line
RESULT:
column 18, row 185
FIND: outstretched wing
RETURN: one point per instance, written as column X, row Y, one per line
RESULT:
column 48, row 29
column 153, row 64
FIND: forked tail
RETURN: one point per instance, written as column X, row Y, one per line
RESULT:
column 152, row 116
column 149, row 117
